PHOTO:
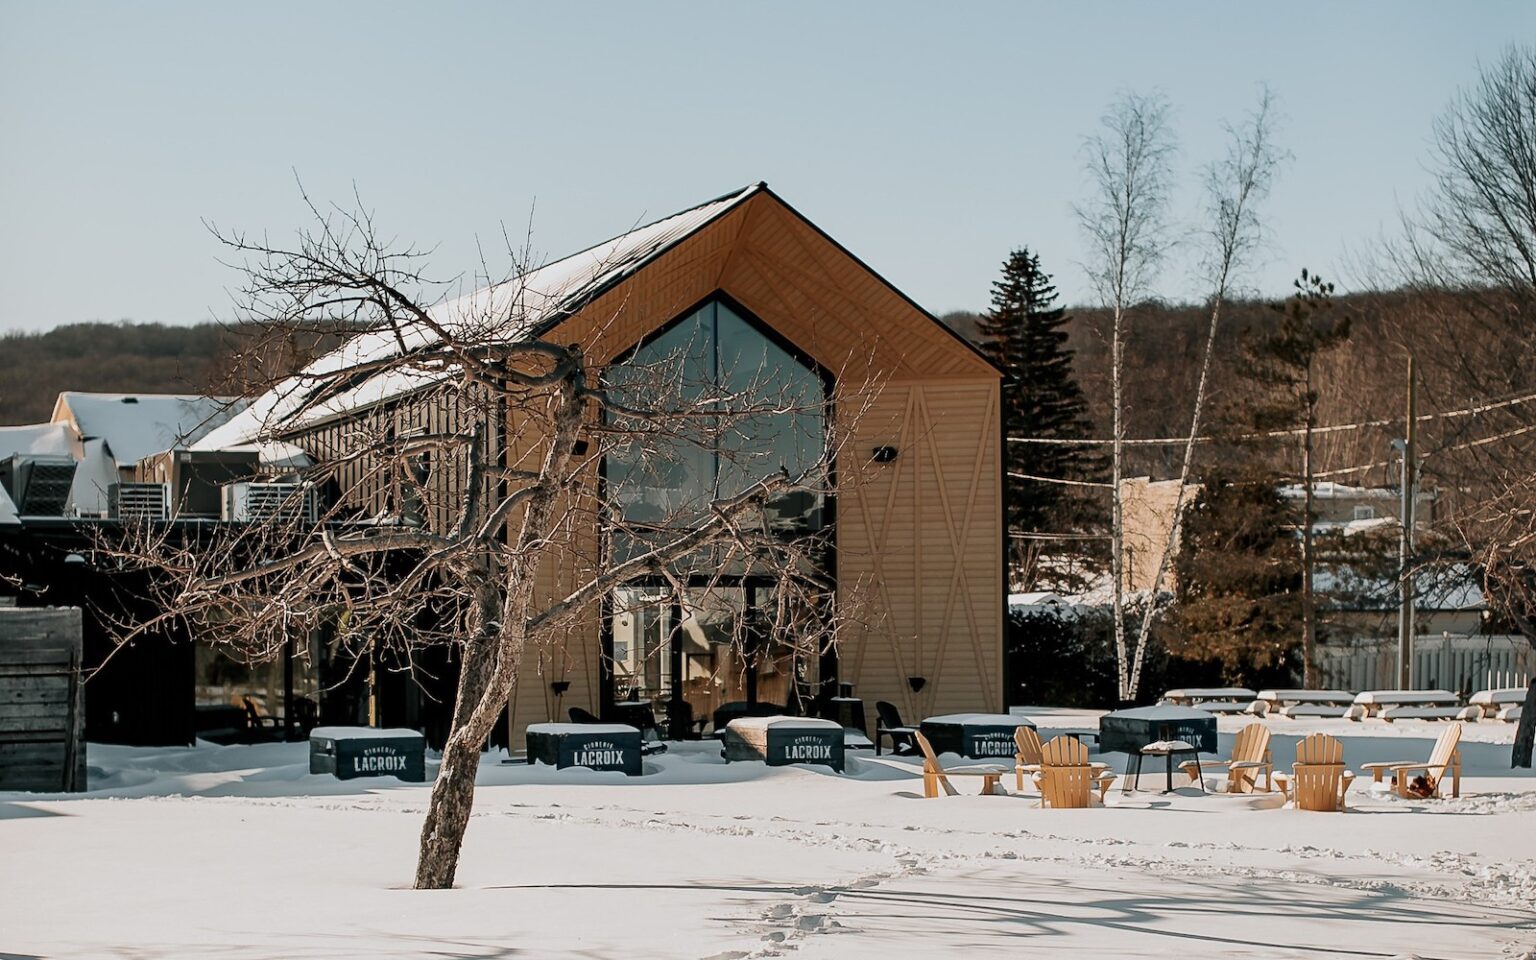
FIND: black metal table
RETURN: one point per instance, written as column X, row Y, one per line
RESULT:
column 1173, row 749
column 1132, row 731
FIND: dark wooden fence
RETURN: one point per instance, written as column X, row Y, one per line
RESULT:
column 42, row 711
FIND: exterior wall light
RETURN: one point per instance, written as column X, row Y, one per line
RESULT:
column 883, row 454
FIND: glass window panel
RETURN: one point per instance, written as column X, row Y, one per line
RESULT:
column 771, row 420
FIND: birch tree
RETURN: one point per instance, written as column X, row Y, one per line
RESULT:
column 1126, row 225
column 1234, row 186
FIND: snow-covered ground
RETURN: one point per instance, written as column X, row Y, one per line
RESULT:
column 237, row 852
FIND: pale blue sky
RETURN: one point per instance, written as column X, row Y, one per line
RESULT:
column 928, row 138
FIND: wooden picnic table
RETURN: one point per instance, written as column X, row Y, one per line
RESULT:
column 1214, row 699
column 1293, row 704
column 1392, row 705
column 1500, row 703
column 1287, row 697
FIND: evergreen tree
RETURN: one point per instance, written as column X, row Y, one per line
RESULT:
column 1024, row 333
column 1238, row 572
column 1283, row 360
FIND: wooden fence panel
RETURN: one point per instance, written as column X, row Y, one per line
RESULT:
column 42, row 711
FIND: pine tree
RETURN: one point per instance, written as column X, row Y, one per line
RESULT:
column 1024, row 333
column 1238, row 573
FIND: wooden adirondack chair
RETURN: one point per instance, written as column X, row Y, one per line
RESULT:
column 1318, row 780
column 1027, row 758
column 1250, row 754
column 1066, row 778
column 1446, row 757
column 936, row 776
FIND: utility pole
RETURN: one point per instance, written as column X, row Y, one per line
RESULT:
column 1410, row 482
column 1308, row 601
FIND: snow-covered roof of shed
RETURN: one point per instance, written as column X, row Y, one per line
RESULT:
column 521, row 307
column 47, row 439
column 135, row 425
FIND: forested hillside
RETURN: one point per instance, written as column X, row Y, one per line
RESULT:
column 108, row 357
column 142, row 358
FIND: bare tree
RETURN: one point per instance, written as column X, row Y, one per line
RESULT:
column 1125, row 222
column 456, row 496
column 1234, row 187
column 1469, row 253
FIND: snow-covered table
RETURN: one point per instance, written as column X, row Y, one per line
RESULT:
column 1333, row 704
column 1214, row 699
column 975, row 735
column 596, row 746
column 1410, row 704
column 1494, row 702
column 348, row 752
column 780, row 741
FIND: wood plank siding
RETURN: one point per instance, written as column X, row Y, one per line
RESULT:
column 919, row 550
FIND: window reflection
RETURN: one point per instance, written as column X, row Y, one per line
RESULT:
column 770, row 419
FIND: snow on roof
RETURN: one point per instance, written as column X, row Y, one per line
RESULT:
column 137, row 425
column 508, row 311
column 1455, row 588
column 1033, row 598
column 52, row 439
column 94, row 476
column 1331, row 490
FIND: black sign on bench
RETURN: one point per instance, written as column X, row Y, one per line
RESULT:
column 979, row 736
column 596, row 746
column 348, row 752
column 781, row 741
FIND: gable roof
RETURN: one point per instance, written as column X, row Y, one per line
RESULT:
column 135, row 425
column 526, row 306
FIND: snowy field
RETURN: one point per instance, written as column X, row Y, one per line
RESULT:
column 237, row 852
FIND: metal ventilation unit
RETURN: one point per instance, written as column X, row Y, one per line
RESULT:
column 139, row 501
column 196, row 477
column 267, row 502
column 38, row 485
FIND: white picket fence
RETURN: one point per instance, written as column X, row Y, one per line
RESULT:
column 1444, row 662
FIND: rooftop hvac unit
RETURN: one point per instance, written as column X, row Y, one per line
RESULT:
column 38, row 485
column 196, row 477
column 285, row 502
column 138, row 501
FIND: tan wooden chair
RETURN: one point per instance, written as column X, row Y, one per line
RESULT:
column 1318, row 780
column 1066, row 778
column 1446, row 757
column 1250, row 755
column 1027, row 757
column 936, row 776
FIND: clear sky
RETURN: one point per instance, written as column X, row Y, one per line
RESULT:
column 928, row 138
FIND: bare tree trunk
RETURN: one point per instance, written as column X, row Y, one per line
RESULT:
column 453, row 794
column 1525, row 733
column 1117, row 510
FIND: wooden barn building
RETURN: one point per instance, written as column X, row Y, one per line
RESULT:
column 916, row 514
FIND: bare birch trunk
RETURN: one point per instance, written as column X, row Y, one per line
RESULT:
column 1117, row 510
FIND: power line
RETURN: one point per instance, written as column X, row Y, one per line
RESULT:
column 1070, row 483
column 1483, row 407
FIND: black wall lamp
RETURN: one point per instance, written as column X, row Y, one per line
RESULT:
column 917, row 683
column 883, row 454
